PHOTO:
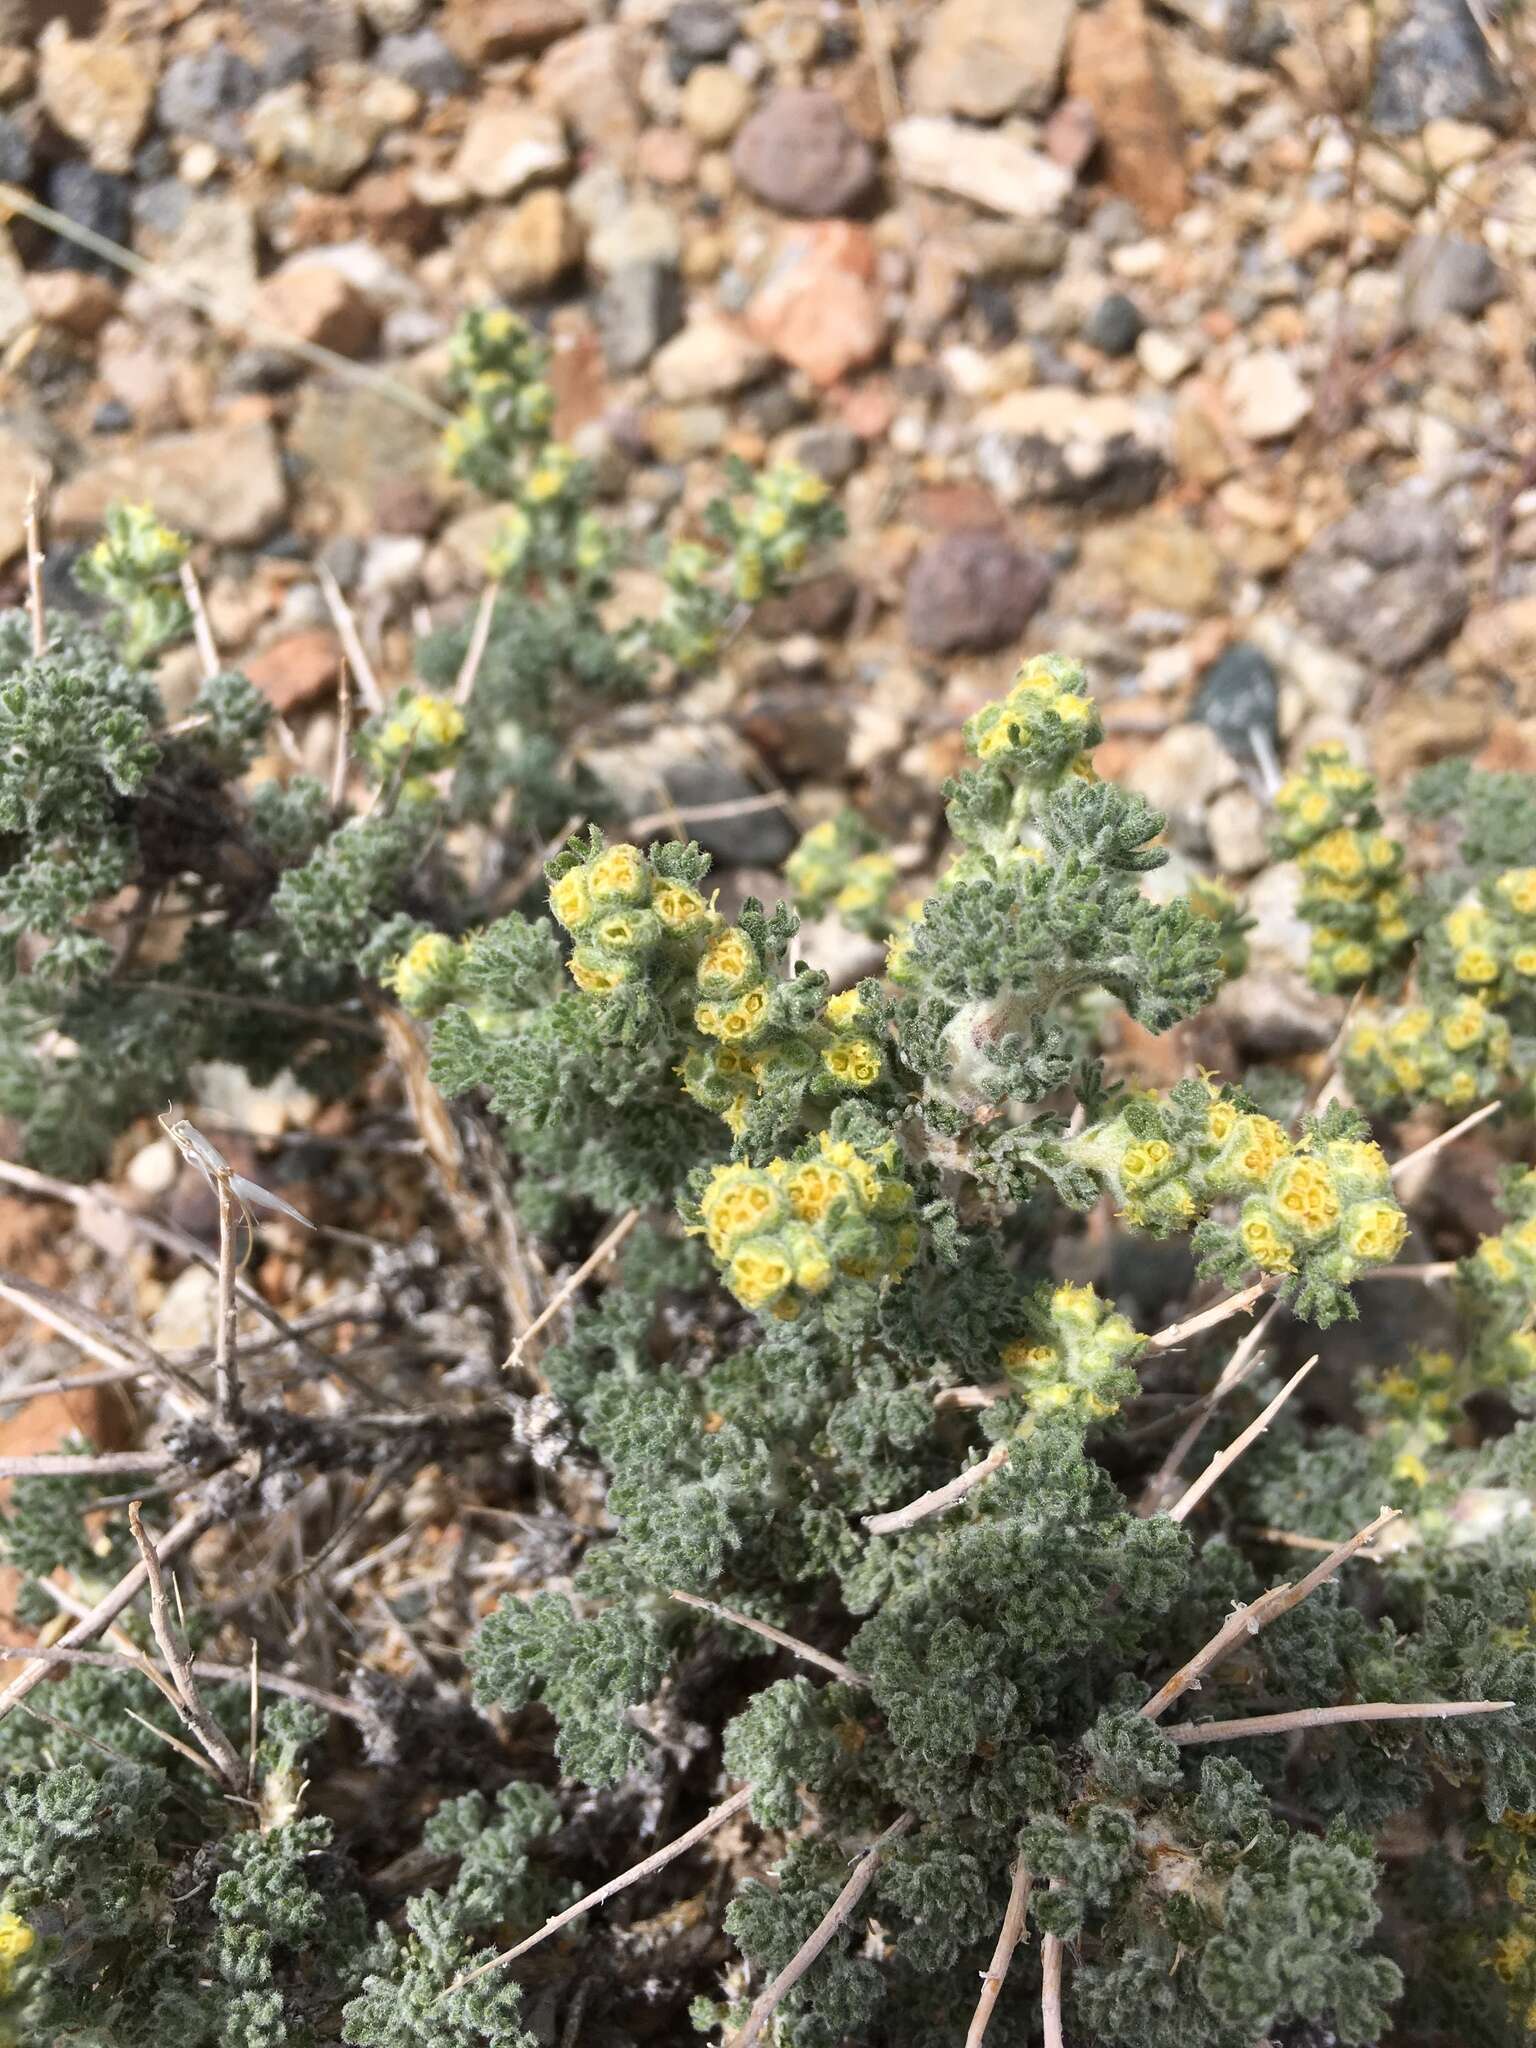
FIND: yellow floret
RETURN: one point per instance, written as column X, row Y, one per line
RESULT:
column 1460, row 1091
column 814, row 1188
column 729, row 959
column 1408, row 1465
column 1142, row 1162
column 1463, row 1026
column 1264, row 1244
column 678, row 907
column 1338, row 854
column 1353, row 960
column 841, row 1010
column 855, row 1062
column 1307, row 1198
column 571, row 900
column 1375, row 1231
column 1262, row 1146
column 1465, row 927
column 1074, row 1304
column 593, row 977
column 1476, row 966
column 620, row 872
column 757, row 1277
column 737, row 1205
column 1518, row 888
column 418, row 967
column 1029, row 1358
column 1220, row 1119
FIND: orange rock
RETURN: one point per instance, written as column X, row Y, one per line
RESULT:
column 1114, row 67
column 820, row 309
column 319, row 305
column 297, row 668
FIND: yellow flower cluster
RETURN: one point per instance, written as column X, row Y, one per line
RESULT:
column 630, row 923
column 1487, row 944
column 785, row 1233
column 773, row 537
column 1168, row 1163
column 422, row 730
column 1077, row 1364
column 424, row 976
column 839, row 1052
column 1496, row 1290
column 838, row 866
column 1352, row 892
column 1044, row 727
column 1452, row 1050
column 496, row 367
column 16, row 1940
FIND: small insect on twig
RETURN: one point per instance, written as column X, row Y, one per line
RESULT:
column 236, row 1195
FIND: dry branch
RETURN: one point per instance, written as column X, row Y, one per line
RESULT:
column 1247, row 1621
column 1194, row 1494
column 940, row 1498
column 1330, row 1717
column 715, row 1818
column 189, row 1701
column 1009, row 1936
column 771, row 1634
column 773, row 1995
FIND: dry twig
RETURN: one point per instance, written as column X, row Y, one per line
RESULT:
column 715, row 1818
column 1188, row 1732
column 1247, row 1621
column 771, row 1634
column 603, row 1251
column 1231, row 1376
column 940, row 1498
column 35, row 572
column 107, row 1608
column 773, row 1995
column 1195, row 1493
column 1425, row 1152
column 202, row 629
column 84, row 1464
column 474, row 653
column 1009, row 1936
column 189, row 1701
column 351, row 640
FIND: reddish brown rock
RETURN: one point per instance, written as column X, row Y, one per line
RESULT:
column 973, row 592
column 820, row 309
column 296, row 669
column 1114, row 67
column 480, row 31
column 75, row 300
column 800, row 154
column 319, row 305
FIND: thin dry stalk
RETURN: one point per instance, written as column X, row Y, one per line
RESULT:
column 202, row 630
column 604, row 1251
column 346, row 631
column 35, row 571
column 1050, row 1990
column 877, row 41
column 228, row 1402
column 940, row 1498
column 190, row 1701
column 343, row 754
column 1194, row 1494
column 479, row 640
column 78, row 1383
column 1425, row 1152
column 773, row 1995
column 193, row 1756
column 1174, row 1334
column 14, row 200
column 1429, row 1272
column 1330, row 1717
column 1247, row 1621
column 1009, row 1936
column 108, row 1608
column 771, row 1634
column 200, row 1667
column 1232, row 1375
column 674, row 819
column 715, row 1818
column 84, row 1464
column 128, row 1355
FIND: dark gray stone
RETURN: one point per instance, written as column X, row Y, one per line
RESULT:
column 832, row 453
column 1385, row 582
column 1114, row 326
column 638, row 308
column 161, row 206
column 202, row 95
column 1443, row 275
column 1239, row 695
column 752, row 839
column 701, row 31
column 92, row 199
column 112, row 418
column 972, row 592
column 799, row 155
column 1435, row 65
column 423, row 61
column 15, row 152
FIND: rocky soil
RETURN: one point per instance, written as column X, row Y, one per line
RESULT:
column 1190, row 338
